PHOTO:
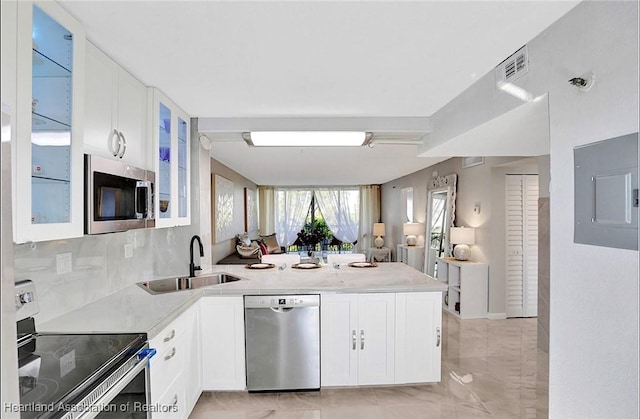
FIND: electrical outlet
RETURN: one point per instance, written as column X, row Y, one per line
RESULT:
column 128, row 251
column 63, row 263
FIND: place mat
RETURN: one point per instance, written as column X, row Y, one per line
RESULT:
column 260, row 266
column 305, row 265
column 363, row 264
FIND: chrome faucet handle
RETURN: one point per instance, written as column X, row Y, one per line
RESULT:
column 282, row 267
column 336, row 266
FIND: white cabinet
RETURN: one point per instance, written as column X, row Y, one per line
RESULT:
column 418, row 337
column 171, row 134
column 411, row 255
column 467, row 297
column 48, row 166
column 174, row 370
column 222, row 331
column 357, row 339
column 115, row 111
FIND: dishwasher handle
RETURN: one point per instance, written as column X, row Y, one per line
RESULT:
column 281, row 309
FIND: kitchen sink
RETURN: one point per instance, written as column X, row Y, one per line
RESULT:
column 163, row 286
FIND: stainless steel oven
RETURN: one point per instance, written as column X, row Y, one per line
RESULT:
column 79, row 375
column 118, row 197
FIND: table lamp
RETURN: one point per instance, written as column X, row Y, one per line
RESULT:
column 462, row 237
column 411, row 230
column 378, row 230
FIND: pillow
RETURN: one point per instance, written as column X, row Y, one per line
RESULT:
column 242, row 239
column 251, row 251
column 272, row 243
column 263, row 248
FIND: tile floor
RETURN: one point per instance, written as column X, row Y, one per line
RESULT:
column 510, row 380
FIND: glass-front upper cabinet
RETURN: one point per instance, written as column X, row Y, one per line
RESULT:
column 171, row 134
column 49, row 174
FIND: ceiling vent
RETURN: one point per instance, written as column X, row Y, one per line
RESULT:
column 513, row 67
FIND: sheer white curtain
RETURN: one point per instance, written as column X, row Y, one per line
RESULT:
column 290, row 208
column 341, row 211
column 369, row 214
column 266, row 215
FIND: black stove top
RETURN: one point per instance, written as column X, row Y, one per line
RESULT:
column 57, row 369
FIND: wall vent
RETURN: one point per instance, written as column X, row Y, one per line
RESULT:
column 513, row 67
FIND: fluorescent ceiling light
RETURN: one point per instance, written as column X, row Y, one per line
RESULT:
column 307, row 138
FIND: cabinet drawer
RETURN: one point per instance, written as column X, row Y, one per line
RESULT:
column 165, row 367
column 170, row 334
column 172, row 403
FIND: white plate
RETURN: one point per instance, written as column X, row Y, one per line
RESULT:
column 305, row 266
column 362, row 265
column 260, row 266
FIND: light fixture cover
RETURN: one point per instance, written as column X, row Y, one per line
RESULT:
column 463, row 235
column 307, row 138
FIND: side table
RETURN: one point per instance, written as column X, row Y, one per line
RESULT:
column 379, row 254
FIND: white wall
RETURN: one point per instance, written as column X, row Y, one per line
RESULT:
column 225, row 248
column 594, row 290
column 483, row 184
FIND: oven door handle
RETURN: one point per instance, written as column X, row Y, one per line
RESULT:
column 143, row 357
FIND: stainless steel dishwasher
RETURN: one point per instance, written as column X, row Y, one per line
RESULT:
column 282, row 335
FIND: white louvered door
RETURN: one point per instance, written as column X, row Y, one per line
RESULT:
column 522, row 245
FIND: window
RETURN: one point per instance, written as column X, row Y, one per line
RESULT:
column 319, row 219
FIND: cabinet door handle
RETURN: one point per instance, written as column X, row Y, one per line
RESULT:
column 112, row 144
column 123, row 144
column 437, row 336
column 171, row 355
column 353, row 337
column 170, row 335
column 362, row 340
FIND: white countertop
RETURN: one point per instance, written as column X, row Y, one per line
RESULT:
column 134, row 310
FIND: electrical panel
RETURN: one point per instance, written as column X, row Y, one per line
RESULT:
column 606, row 193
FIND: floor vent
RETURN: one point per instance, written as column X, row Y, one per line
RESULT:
column 513, row 67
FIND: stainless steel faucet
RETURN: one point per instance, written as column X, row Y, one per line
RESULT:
column 193, row 268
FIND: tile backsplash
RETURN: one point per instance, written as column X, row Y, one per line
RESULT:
column 99, row 266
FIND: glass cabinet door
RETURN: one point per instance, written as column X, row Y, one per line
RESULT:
column 172, row 168
column 183, row 178
column 164, row 162
column 51, row 104
column 49, row 176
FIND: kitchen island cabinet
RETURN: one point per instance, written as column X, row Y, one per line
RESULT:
column 357, row 339
column 418, row 337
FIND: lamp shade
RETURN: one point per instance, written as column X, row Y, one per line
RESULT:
column 378, row 229
column 463, row 235
column 411, row 229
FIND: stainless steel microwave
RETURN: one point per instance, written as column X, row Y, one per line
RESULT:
column 118, row 197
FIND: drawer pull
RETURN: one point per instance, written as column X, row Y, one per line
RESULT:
column 170, row 335
column 438, row 334
column 362, row 340
column 353, row 337
column 171, row 355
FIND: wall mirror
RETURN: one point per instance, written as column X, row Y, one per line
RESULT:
column 441, row 212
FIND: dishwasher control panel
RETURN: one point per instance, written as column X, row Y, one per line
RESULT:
column 281, row 301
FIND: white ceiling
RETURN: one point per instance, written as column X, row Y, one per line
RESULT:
column 382, row 60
